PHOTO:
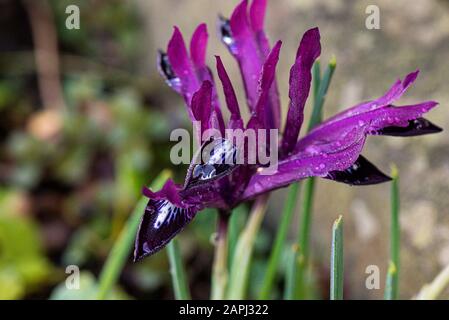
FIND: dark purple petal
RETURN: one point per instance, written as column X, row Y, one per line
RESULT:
column 300, row 79
column 169, row 191
column 267, row 77
column 235, row 121
column 334, row 146
column 249, row 45
column 182, row 65
column 394, row 93
column 415, row 127
column 202, row 106
column 167, row 72
column 161, row 221
column 257, row 14
column 335, row 134
column 215, row 159
column 294, row 169
column 257, row 18
column 186, row 75
column 198, row 46
column 245, row 50
column 165, row 215
column 360, row 173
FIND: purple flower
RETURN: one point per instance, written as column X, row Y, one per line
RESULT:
column 331, row 150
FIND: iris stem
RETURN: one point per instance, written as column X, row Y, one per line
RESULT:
column 392, row 281
column 180, row 286
column 241, row 262
column 279, row 242
column 220, row 264
column 336, row 285
column 122, row 246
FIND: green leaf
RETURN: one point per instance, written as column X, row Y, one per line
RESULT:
column 178, row 274
column 279, row 242
column 337, row 277
column 238, row 276
column 392, row 281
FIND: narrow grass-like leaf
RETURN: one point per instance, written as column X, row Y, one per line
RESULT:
column 236, row 224
column 392, row 282
column 220, row 265
column 336, row 285
column 290, row 273
column 317, row 112
column 122, row 246
column 279, row 243
column 238, row 276
column 316, row 79
column 179, row 280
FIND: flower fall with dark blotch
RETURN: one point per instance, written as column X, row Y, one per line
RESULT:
column 332, row 150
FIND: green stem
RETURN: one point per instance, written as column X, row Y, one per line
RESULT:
column 180, row 286
column 336, row 285
column 302, row 254
column 316, row 79
column 243, row 252
column 321, row 93
column 220, row 265
column 279, row 242
column 392, row 282
column 290, row 273
column 236, row 223
column 122, row 246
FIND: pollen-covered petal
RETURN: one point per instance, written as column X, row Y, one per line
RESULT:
column 161, row 221
column 300, row 79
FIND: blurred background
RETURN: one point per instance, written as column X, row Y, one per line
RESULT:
column 85, row 122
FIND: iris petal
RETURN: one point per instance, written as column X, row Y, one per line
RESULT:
column 246, row 40
column 161, row 221
column 335, row 145
column 415, row 127
column 300, row 79
column 360, row 173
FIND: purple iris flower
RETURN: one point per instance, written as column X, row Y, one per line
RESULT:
column 332, row 150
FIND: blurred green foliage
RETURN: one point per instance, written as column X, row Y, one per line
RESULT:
column 23, row 265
